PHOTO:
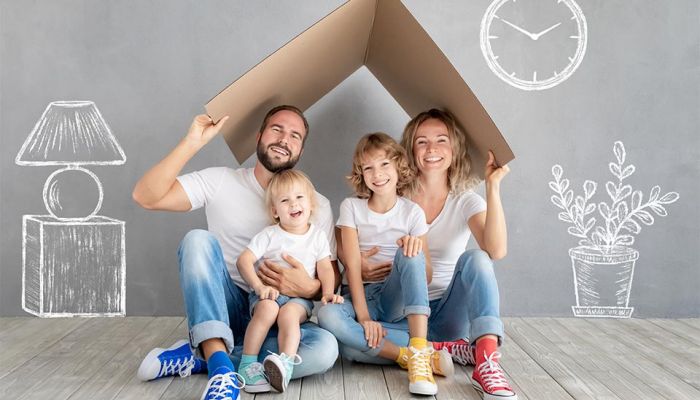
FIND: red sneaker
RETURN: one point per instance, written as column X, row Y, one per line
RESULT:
column 462, row 352
column 490, row 382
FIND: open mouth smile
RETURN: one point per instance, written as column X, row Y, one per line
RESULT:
column 280, row 150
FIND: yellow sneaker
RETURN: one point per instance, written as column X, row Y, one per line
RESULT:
column 420, row 372
column 440, row 362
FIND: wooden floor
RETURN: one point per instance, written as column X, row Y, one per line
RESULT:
column 545, row 358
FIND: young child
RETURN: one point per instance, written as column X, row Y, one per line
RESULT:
column 290, row 199
column 380, row 217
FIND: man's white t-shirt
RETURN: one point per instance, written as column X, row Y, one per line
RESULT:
column 448, row 236
column 234, row 203
column 382, row 230
column 308, row 248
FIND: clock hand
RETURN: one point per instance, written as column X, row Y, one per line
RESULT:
column 538, row 35
column 530, row 35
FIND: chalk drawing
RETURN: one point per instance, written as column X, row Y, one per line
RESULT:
column 523, row 59
column 73, row 260
column 603, row 264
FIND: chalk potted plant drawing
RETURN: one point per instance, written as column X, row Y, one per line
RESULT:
column 603, row 263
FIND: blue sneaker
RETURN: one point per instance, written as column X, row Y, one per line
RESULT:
column 225, row 386
column 175, row 360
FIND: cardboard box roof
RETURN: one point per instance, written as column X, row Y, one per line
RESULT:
column 379, row 34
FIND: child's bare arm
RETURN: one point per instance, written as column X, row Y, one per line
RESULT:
column 324, row 271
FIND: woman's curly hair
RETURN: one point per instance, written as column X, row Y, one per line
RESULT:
column 372, row 143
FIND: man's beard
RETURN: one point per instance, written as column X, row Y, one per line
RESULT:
column 267, row 161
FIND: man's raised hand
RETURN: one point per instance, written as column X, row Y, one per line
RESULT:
column 203, row 130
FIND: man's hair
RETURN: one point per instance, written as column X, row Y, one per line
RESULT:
column 372, row 143
column 284, row 180
column 286, row 107
column 458, row 174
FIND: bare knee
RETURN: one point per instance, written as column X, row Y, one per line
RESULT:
column 266, row 311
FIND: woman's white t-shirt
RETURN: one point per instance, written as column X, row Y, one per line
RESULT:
column 382, row 230
column 448, row 235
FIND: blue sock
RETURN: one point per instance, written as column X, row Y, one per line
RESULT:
column 219, row 363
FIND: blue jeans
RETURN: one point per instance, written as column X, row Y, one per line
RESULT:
column 281, row 300
column 404, row 292
column 468, row 308
column 217, row 308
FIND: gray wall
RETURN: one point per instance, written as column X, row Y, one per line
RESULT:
column 151, row 65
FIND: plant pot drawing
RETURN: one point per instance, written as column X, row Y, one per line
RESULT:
column 603, row 264
column 603, row 281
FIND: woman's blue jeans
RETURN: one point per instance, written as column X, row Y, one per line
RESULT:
column 469, row 308
column 217, row 308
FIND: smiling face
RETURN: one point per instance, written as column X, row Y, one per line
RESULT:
column 379, row 173
column 432, row 147
column 281, row 143
column 292, row 206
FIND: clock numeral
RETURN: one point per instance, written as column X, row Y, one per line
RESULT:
column 534, row 77
column 574, row 37
column 571, row 59
column 493, row 37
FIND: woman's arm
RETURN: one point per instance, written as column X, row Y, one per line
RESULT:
column 489, row 227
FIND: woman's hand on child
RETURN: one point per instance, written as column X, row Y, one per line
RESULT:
column 332, row 298
column 374, row 332
column 266, row 292
column 412, row 245
column 372, row 272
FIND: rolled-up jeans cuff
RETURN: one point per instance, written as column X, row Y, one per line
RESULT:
column 486, row 326
column 422, row 310
column 210, row 330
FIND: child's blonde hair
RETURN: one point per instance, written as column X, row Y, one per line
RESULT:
column 284, row 180
column 371, row 143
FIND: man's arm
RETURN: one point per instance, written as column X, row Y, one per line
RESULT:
column 159, row 189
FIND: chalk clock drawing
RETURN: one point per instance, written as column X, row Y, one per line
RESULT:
column 533, row 44
column 73, row 260
column 603, row 263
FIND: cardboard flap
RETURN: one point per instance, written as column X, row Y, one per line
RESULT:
column 413, row 69
column 299, row 73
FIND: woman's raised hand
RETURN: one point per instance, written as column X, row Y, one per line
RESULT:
column 493, row 173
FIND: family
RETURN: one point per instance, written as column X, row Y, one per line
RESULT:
column 410, row 294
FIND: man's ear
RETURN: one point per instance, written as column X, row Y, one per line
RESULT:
column 258, row 136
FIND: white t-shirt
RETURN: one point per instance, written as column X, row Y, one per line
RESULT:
column 308, row 248
column 382, row 230
column 448, row 236
column 234, row 203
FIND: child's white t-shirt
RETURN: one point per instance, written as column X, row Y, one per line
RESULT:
column 382, row 230
column 308, row 248
column 448, row 236
column 234, row 203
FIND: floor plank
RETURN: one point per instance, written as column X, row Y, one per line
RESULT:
column 326, row 386
column 684, row 329
column 362, row 381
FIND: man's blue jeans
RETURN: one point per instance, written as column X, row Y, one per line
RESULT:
column 404, row 292
column 468, row 308
column 217, row 308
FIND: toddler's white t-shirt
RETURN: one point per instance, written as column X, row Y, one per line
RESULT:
column 308, row 248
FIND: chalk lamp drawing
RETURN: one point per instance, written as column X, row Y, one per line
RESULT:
column 603, row 263
column 73, row 260
column 536, row 60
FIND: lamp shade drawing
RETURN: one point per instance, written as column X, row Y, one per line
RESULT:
column 73, row 260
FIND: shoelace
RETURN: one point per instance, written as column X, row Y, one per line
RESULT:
column 219, row 385
column 492, row 376
column 462, row 353
column 421, row 361
column 181, row 366
column 255, row 370
column 284, row 357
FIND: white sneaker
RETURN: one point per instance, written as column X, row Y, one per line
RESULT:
column 255, row 379
column 278, row 368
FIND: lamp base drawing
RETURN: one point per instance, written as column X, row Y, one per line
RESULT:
column 73, row 268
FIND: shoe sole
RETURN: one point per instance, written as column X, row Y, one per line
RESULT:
column 257, row 388
column 446, row 361
column 487, row 396
column 274, row 373
column 153, row 354
column 419, row 389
